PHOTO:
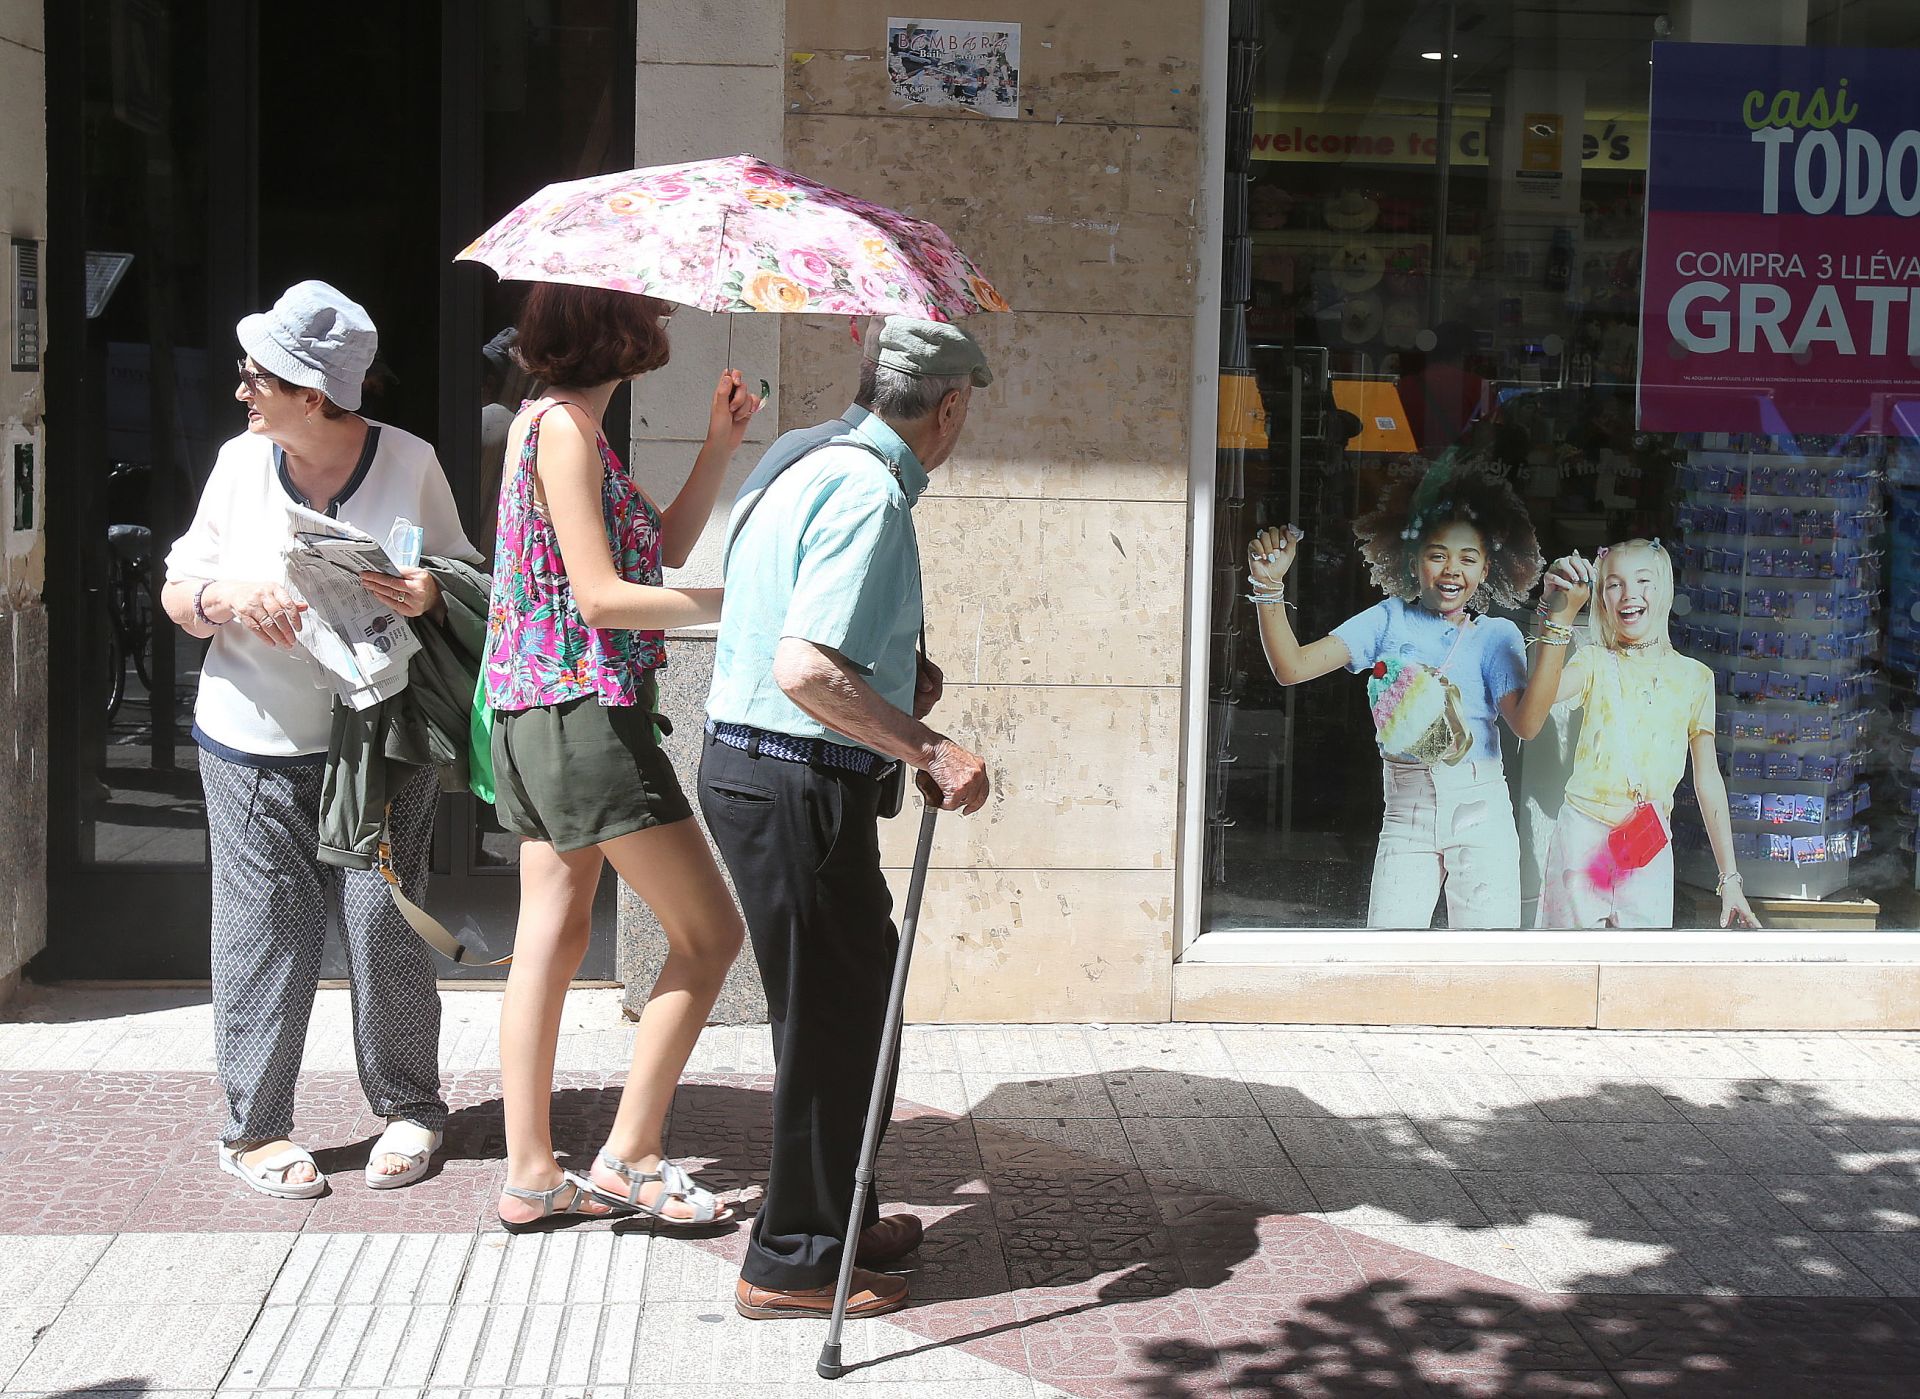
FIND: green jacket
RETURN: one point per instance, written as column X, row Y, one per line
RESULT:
column 371, row 751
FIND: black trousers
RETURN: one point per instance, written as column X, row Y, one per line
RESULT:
column 803, row 847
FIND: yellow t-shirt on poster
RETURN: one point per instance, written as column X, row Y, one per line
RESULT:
column 1642, row 710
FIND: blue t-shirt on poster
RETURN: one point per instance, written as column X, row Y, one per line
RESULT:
column 1490, row 664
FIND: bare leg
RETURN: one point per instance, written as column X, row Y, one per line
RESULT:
column 556, row 920
column 670, row 868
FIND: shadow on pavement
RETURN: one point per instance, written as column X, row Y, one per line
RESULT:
column 1167, row 1234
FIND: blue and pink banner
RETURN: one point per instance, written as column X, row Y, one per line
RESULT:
column 1781, row 287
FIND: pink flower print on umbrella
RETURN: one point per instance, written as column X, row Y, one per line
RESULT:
column 736, row 235
column 808, row 266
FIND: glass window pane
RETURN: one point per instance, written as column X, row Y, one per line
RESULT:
column 1430, row 358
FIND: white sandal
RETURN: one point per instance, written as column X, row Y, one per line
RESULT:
column 412, row 1143
column 269, row 1177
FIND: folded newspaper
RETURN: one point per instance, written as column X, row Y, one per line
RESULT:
column 360, row 643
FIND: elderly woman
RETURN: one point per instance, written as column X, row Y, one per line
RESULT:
column 262, row 721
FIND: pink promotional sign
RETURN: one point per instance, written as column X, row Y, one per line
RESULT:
column 1781, row 286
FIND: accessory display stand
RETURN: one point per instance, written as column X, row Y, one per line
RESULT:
column 1903, row 626
column 1778, row 592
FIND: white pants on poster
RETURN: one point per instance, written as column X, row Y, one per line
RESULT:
column 1584, row 888
column 1447, row 828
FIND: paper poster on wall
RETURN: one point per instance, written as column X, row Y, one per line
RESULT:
column 1781, row 291
column 973, row 65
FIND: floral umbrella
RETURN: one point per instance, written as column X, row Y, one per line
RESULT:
column 736, row 234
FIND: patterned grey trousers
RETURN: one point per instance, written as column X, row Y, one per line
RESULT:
column 271, row 898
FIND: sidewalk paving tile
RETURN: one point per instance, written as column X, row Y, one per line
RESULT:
column 21, row 1328
column 1441, row 1095
column 1782, row 1148
column 1848, row 1204
column 1706, row 1202
column 366, row 1269
column 1172, row 1142
column 185, row 1267
column 1410, row 1196
column 1808, row 1058
column 1431, row 1052
column 1753, row 1264
column 1256, row 1051
column 1031, row 1094
column 1845, row 1100
column 1590, row 1097
column 1612, row 1148
column 1622, row 1259
column 1192, row 1049
column 1736, row 1100
column 1891, row 1260
column 1293, row 1093
column 47, row 1269
column 1164, row 1093
column 139, row 1344
column 1465, row 1144
column 1436, row 1256
column 1529, row 1197
column 1393, row 1141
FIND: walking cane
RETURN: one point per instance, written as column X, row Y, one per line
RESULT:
column 829, row 1366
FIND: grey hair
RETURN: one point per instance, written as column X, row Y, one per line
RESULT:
column 903, row 398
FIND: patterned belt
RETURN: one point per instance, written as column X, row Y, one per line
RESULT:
column 814, row 752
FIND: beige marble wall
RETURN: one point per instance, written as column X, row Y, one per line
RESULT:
column 23, row 621
column 707, row 84
column 1055, row 542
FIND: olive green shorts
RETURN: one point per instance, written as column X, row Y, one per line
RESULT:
column 578, row 773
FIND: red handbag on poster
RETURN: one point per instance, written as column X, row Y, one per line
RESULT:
column 1635, row 841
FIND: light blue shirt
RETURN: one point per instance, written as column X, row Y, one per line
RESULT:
column 1490, row 664
column 827, row 554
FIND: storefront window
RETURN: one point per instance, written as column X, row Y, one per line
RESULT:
column 1441, row 236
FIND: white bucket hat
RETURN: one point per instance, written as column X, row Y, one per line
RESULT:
column 314, row 337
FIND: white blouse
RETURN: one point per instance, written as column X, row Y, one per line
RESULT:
column 259, row 700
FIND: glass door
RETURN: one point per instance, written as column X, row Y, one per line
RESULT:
column 187, row 193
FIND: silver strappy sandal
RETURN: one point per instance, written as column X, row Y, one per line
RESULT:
column 675, row 1184
column 554, row 1215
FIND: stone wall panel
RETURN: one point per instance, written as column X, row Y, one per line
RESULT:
column 1125, row 62
column 1083, row 407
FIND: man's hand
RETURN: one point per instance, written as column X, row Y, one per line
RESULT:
column 928, row 688
column 955, row 780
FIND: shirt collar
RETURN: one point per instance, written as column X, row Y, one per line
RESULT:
column 883, row 439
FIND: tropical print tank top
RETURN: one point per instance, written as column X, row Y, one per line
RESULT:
column 539, row 650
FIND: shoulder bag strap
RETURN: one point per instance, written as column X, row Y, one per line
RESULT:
column 753, row 502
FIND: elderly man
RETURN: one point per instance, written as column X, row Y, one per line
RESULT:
column 819, row 689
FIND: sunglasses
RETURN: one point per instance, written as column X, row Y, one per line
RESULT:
column 254, row 378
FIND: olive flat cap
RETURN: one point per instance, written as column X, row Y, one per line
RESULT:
column 931, row 349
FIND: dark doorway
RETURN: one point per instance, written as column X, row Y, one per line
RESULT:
column 205, row 155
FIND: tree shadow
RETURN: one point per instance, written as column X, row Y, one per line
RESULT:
column 1159, row 1233
column 1703, row 1238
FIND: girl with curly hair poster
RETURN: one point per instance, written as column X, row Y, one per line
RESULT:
column 1440, row 677
column 1648, row 709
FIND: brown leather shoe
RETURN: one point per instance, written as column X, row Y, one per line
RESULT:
column 888, row 1240
column 871, row 1294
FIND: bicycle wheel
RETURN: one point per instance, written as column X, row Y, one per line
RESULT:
column 116, row 672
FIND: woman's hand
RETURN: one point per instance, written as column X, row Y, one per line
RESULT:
column 267, row 610
column 733, row 408
column 1568, row 587
column 1271, row 554
column 1735, row 912
column 413, row 593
